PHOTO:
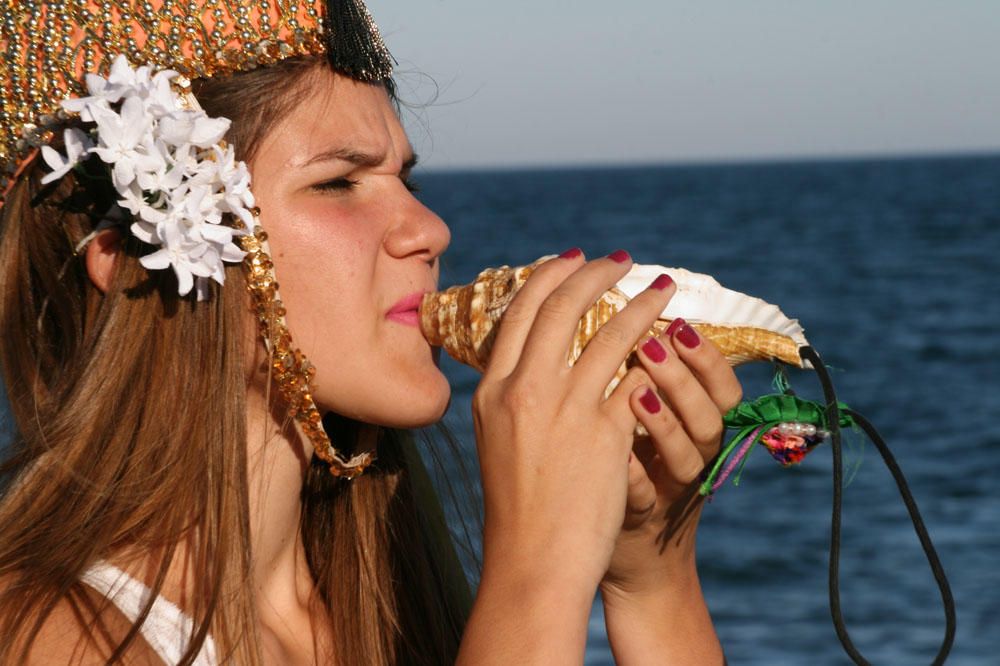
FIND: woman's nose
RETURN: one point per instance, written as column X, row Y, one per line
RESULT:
column 418, row 231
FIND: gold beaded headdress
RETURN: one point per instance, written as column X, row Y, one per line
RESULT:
column 50, row 46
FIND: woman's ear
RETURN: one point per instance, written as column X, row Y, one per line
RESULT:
column 101, row 257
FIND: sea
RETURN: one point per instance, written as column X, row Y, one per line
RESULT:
column 893, row 268
column 891, row 265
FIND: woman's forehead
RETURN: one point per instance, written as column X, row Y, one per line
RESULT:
column 339, row 118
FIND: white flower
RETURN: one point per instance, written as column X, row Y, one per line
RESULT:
column 196, row 128
column 134, row 201
column 103, row 92
column 167, row 174
column 170, row 173
column 235, row 180
column 77, row 146
column 120, row 140
column 159, row 98
column 186, row 257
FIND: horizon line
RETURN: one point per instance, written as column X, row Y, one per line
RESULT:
column 736, row 160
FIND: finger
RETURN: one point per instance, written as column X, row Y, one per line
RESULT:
column 618, row 405
column 688, row 399
column 641, row 500
column 558, row 316
column 681, row 460
column 520, row 313
column 708, row 363
column 615, row 340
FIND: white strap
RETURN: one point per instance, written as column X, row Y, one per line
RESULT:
column 167, row 629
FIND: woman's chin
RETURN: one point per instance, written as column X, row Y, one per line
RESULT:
column 428, row 412
column 420, row 408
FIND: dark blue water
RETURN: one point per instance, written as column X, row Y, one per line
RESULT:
column 892, row 268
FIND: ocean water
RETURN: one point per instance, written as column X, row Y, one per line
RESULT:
column 891, row 266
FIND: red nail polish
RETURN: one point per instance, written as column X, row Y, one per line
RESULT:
column 572, row 253
column 688, row 337
column 662, row 282
column 620, row 256
column 650, row 402
column 674, row 325
column 654, row 350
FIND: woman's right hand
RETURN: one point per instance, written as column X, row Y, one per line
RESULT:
column 553, row 452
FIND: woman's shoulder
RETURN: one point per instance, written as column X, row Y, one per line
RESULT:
column 73, row 634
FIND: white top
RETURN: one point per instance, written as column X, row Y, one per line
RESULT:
column 167, row 629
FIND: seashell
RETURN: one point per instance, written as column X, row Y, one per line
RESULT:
column 464, row 319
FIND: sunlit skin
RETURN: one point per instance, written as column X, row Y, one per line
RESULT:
column 349, row 240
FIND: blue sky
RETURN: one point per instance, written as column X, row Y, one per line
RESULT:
column 539, row 82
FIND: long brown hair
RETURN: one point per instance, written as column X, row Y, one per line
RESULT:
column 130, row 411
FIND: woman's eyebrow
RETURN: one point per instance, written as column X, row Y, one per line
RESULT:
column 356, row 157
column 352, row 155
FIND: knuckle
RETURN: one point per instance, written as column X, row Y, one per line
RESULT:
column 557, row 305
column 611, row 336
column 713, row 433
column 481, row 397
column 684, row 382
column 668, row 424
column 520, row 310
column 634, row 378
column 519, row 395
column 690, row 470
column 733, row 397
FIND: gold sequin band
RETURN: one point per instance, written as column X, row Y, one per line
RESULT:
column 292, row 371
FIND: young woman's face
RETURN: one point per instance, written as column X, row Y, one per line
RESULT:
column 353, row 251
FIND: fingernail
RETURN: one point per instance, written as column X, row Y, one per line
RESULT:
column 572, row 253
column 650, row 402
column 654, row 350
column 662, row 282
column 674, row 325
column 620, row 256
column 688, row 337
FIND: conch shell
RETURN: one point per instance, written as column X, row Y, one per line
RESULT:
column 464, row 320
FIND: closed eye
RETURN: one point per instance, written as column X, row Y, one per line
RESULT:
column 337, row 184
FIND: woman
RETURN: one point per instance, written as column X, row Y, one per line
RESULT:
column 153, row 447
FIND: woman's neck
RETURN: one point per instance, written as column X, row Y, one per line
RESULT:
column 277, row 463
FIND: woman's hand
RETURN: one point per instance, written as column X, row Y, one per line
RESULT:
column 554, row 460
column 651, row 590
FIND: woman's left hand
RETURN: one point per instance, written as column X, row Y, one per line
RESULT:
column 691, row 386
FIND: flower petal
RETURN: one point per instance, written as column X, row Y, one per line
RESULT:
column 156, row 261
column 184, row 280
column 209, row 131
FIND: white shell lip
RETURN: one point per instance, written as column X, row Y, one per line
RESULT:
column 701, row 299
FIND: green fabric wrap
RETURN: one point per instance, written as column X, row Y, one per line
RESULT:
column 761, row 415
column 782, row 408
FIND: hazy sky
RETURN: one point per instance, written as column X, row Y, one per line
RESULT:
column 582, row 81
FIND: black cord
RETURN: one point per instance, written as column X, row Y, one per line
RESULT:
column 833, row 424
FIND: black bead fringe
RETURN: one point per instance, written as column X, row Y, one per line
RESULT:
column 353, row 43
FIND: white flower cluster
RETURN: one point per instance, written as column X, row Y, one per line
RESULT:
column 168, row 168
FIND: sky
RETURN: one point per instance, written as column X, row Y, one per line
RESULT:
column 578, row 82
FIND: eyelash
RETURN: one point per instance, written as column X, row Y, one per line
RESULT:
column 337, row 184
column 346, row 184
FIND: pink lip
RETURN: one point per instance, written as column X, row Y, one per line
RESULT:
column 407, row 310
